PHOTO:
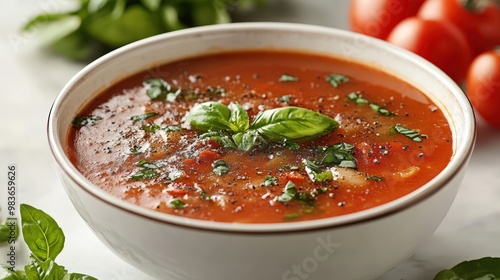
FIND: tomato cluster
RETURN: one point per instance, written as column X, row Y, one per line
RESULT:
column 458, row 36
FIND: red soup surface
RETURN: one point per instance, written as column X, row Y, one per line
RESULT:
column 260, row 137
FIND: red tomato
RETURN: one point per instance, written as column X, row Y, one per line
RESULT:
column 483, row 86
column 481, row 26
column 377, row 17
column 440, row 42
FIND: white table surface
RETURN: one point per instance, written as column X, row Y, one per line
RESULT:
column 31, row 78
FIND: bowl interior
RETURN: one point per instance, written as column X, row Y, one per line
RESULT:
column 154, row 51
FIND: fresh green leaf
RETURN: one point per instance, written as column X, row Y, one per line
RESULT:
column 353, row 96
column 285, row 99
column 337, row 79
column 376, row 178
column 292, row 123
column 288, row 193
column 245, row 141
column 410, row 133
column 220, row 167
column 144, row 174
column 44, row 269
column 358, row 99
column 152, row 5
column 85, row 120
column 143, row 116
column 119, row 28
column 9, row 230
column 239, row 117
column 147, row 164
column 223, row 140
column 210, row 116
column 177, row 204
column 14, row 275
column 339, row 155
column 136, row 150
column 170, row 18
column 288, row 78
column 270, row 181
column 41, row 233
column 481, row 269
column 161, row 90
column 209, row 12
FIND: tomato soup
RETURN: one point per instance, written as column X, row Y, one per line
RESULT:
column 260, row 137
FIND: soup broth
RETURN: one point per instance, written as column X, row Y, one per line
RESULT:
column 260, row 137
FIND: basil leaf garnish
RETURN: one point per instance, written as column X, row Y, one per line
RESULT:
column 485, row 269
column 177, row 203
column 288, row 193
column 143, row 116
column 144, row 174
column 410, row 133
column 210, row 116
column 292, row 123
column 353, row 96
column 220, row 167
column 270, row 181
column 336, row 79
column 41, row 233
column 288, row 78
column 161, row 90
column 339, row 155
column 85, row 120
column 280, row 124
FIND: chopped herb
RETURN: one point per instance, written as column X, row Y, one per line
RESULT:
column 220, row 167
column 136, row 150
column 381, row 110
column 291, row 145
column 285, row 98
column 336, row 79
column 376, row 178
column 85, row 120
column 357, row 98
column 177, row 203
column 412, row 134
column 150, row 127
column 289, row 167
column 292, row 216
column 305, row 198
column 144, row 174
column 322, row 190
column 155, row 128
column 339, row 155
column 353, row 96
column 161, row 90
column 270, row 181
column 143, row 116
column 288, row 193
column 146, row 164
column 288, row 78
column 203, row 193
column 308, row 210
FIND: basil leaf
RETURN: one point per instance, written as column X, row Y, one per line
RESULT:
column 285, row 99
column 143, row 116
column 85, row 120
column 223, row 140
column 161, row 90
column 481, row 269
column 6, row 229
column 177, row 203
column 210, row 116
column 144, row 174
column 357, row 98
column 41, row 233
column 336, row 79
column 376, row 178
column 239, row 117
column 292, row 216
column 288, row 193
column 353, row 96
column 14, row 275
column 410, row 133
column 305, row 198
column 288, row 78
column 245, row 141
column 170, row 18
column 220, row 167
column 270, row 181
column 292, row 123
column 46, row 270
column 146, row 164
column 122, row 25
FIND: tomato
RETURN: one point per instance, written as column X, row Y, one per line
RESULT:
column 440, row 42
column 377, row 17
column 480, row 25
column 483, row 86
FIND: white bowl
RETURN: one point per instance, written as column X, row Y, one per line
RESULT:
column 362, row 245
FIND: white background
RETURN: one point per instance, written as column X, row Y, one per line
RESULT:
column 31, row 78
